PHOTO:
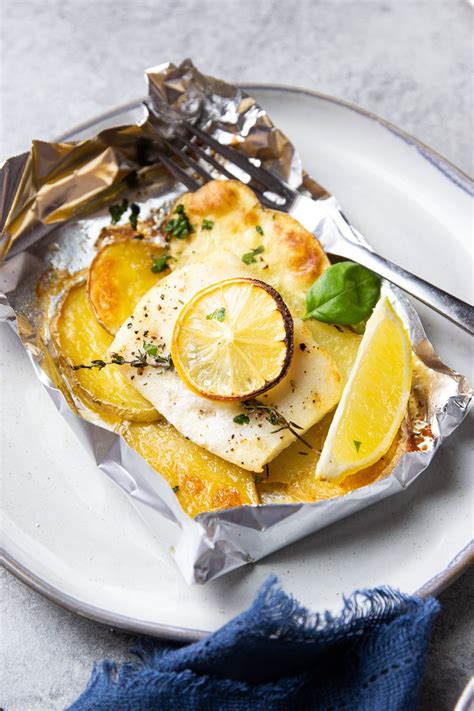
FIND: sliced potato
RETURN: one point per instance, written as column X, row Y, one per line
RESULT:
column 226, row 214
column 202, row 481
column 79, row 339
column 291, row 478
column 120, row 274
column 340, row 342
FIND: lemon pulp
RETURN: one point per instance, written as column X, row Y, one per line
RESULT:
column 233, row 340
column 374, row 400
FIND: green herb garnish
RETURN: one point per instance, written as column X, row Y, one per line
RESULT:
column 344, row 294
column 259, row 230
column 141, row 361
column 258, row 479
column 275, row 418
column 176, row 489
column 134, row 212
column 117, row 210
column 249, row 257
column 207, row 224
column 218, row 314
column 241, row 419
column 150, row 348
column 159, row 264
column 179, row 226
column 357, row 445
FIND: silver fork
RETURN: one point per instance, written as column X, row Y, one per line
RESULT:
column 340, row 240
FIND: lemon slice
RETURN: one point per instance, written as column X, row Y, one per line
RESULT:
column 233, row 340
column 374, row 399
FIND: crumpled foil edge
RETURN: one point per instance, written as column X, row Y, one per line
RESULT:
column 215, row 542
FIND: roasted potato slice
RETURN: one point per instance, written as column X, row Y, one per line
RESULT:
column 202, row 481
column 226, row 214
column 120, row 274
column 339, row 341
column 79, row 339
column 291, row 478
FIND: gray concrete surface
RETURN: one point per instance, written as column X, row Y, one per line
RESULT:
column 65, row 60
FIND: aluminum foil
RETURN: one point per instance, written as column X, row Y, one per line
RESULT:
column 52, row 211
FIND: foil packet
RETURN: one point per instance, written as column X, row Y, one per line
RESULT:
column 53, row 202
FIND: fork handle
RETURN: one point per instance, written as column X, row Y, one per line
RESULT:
column 456, row 310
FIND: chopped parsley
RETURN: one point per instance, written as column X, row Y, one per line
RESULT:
column 258, row 479
column 207, row 224
column 150, row 349
column 249, row 257
column 176, row 489
column 179, row 226
column 218, row 314
column 259, row 230
column 117, row 210
column 134, row 212
column 357, row 444
column 241, row 419
column 159, row 264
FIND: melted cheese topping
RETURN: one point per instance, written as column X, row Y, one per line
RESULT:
column 311, row 388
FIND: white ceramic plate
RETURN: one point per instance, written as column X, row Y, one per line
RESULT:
column 73, row 535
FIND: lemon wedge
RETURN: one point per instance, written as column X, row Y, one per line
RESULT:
column 374, row 399
column 233, row 340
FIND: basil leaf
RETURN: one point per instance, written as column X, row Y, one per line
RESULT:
column 344, row 294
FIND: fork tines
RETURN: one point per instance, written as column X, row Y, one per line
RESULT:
column 184, row 153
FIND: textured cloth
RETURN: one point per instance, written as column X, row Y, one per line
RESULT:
column 276, row 655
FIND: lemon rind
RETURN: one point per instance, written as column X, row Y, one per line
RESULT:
column 326, row 468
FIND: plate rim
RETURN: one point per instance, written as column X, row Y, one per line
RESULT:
column 455, row 568
column 458, row 565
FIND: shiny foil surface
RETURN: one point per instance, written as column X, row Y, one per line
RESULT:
column 53, row 207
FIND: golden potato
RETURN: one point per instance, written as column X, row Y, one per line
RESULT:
column 339, row 341
column 291, row 478
column 291, row 259
column 120, row 274
column 79, row 339
column 202, row 481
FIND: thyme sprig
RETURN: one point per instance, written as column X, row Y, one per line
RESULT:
column 275, row 418
column 141, row 361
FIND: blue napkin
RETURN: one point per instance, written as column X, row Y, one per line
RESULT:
column 277, row 655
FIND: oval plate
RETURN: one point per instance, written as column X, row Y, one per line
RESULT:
column 71, row 534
